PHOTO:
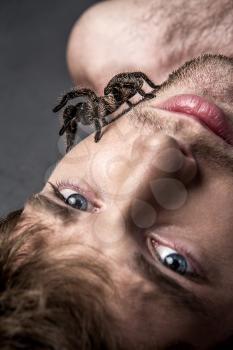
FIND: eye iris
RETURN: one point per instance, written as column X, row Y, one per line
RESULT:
column 176, row 262
column 76, row 200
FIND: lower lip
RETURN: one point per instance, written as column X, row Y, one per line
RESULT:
column 207, row 113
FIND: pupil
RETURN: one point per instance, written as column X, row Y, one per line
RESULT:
column 77, row 201
column 176, row 262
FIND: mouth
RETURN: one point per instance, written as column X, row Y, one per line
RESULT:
column 207, row 113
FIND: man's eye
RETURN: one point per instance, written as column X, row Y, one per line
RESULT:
column 73, row 197
column 171, row 259
column 75, row 200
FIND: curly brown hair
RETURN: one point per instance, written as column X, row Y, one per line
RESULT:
column 55, row 304
column 47, row 304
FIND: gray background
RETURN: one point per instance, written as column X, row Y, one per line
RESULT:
column 33, row 73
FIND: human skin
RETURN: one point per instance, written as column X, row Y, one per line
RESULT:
column 122, row 178
column 124, row 170
column 153, row 36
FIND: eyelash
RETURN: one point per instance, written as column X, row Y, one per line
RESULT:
column 62, row 185
column 197, row 271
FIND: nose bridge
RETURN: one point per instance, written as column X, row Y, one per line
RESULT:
column 159, row 165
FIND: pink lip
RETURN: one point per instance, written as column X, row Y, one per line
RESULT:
column 207, row 113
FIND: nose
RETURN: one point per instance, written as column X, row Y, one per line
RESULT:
column 161, row 169
column 165, row 156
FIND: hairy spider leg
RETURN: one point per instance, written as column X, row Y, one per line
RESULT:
column 74, row 94
column 130, row 104
column 105, row 121
column 98, row 130
column 68, row 115
column 106, row 106
column 145, row 94
column 70, row 135
column 147, row 80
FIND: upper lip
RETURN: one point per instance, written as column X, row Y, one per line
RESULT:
column 206, row 112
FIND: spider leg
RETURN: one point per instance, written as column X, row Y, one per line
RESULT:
column 70, row 135
column 105, row 121
column 145, row 94
column 146, row 79
column 130, row 104
column 98, row 130
column 73, row 94
column 68, row 115
column 65, row 127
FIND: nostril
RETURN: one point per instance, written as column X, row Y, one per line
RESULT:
column 185, row 149
column 174, row 157
column 189, row 170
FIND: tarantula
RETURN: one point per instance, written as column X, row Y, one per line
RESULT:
column 94, row 109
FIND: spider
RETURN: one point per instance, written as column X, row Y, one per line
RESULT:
column 94, row 109
column 123, row 86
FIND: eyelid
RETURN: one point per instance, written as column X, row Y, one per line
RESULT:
column 60, row 185
column 198, row 276
column 158, row 251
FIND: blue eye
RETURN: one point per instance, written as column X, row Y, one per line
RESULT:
column 75, row 200
column 173, row 260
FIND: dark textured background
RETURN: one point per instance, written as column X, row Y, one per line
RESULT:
column 33, row 73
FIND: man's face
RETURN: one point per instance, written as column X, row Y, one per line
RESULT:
column 156, row 199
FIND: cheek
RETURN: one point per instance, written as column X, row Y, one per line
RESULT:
column 152, row 320
column 105, row 231
column 82, row 231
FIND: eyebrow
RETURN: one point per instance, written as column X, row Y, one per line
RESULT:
column 58, row 210
column 169, row 286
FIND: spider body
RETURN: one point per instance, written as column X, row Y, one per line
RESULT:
column 124, row 86
column 94, row 109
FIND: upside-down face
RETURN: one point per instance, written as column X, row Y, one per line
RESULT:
column 154, row 199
